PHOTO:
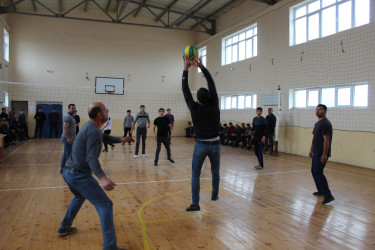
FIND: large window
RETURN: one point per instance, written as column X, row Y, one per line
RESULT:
column 240, row 46
column 6, row 45
column 238, row 102
column 353, row 95
column 319, row 18
column 203, row 53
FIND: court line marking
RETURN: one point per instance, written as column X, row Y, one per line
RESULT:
column 14, row 151
column 146, row 182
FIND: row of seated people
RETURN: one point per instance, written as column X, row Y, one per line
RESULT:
column 234, row 135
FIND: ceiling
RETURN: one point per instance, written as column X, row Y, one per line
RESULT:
column 192, row 15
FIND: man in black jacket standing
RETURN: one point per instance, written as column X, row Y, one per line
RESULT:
column 205, row 114
column 23, row 124
column 39, row 117
column 54, row 122
column 271, row 121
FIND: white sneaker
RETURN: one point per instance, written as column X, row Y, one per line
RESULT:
column 144, row 155
column 135, row 156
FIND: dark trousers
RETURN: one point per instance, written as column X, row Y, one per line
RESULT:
column 165, row 141
column 258, row 146
column 107, row 132
column 269, row 142
column 40, row 127
column 126, row 131
column 25, row 130
column 320, row 180
column 141, row 132
column 53, row 126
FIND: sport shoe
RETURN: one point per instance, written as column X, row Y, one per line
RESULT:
column 144, row 155
column 70, row 230
column 105, row 150
column 214, row 198
column 155, row 163
column 193, row 208
column 135, row 156
column 171, row 160
column 317, row 194
column 258, row 167
column 327, row 200
column 112, row 147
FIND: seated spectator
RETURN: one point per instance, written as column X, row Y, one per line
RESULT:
column 222, row 133
column 189, row 130
column 228, row 135
column 236, row 135
column 248, row 137
column 4, row 129
column 243, row 133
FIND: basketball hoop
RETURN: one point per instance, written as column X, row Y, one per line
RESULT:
column 110, row 92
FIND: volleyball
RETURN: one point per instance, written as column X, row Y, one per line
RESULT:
column 191, row 51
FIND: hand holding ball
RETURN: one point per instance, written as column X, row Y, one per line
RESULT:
column 191, row 51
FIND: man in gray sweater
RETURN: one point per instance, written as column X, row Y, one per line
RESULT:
column 128, row 123
column 77, row 173
column 142, row 118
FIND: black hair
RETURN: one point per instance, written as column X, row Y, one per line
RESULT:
column 142, row 106
column 323, row 106
column 161, row 109
column 203, row 96
column 259, row 108
column 230, row 123
column 128, row 110
column 168, row 109
column 70, row 105
column 225, row 124
column 94, row 112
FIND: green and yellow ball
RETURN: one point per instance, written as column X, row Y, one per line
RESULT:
column 191, row 51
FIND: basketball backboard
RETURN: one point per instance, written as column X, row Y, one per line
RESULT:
column 105, row 85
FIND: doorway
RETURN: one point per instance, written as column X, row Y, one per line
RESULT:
column 47, row 109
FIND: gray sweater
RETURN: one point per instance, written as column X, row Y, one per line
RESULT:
column 142, row 120
column 128, row 121
column 87, row 147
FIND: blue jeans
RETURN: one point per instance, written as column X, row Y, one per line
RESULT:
column 67, row 152
column 320, row 180
column 213, row 151
column 84, row 186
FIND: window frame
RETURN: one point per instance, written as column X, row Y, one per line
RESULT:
column 230, row 44
column 6, row 45
column 223, row 101
column 204, row 62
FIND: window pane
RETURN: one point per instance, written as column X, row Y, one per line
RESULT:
column 248, row 101
column 326, row 3
column 228, row 55
column 242, row 36
column 235, row 53
column 314, row 26
column 241, row 51
column 234, row 102
column 241, row 102
column 255, row 49
column 235, row 39
column 300, row 12
column 254, row 101
column 300, row 98
column 314, row 6
column 228, row 41
column 313, row 98
column 227, row 102
column 6, row 45
column 362, row 12
column 329, row 21
column 361, row 96
column 301, row 30
column 343, row 97
column 345, row 16
column 249, row 33
column 249, row 49
column 222, row 103
column 255, row 31
column 328, row 97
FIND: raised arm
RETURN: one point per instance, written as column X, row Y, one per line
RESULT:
column 185, row 85
column 210, row 81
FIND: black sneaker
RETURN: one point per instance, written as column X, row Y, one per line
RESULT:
column 171, row 160
column 155, row 163
column 193, row 208
column 63, row 232
column 214, row 198
column 317, row 194
column 327, row 200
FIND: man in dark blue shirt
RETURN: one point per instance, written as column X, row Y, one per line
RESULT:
column 259, row 132
column 320, row 151
column 205, row 114
column 77, row 173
